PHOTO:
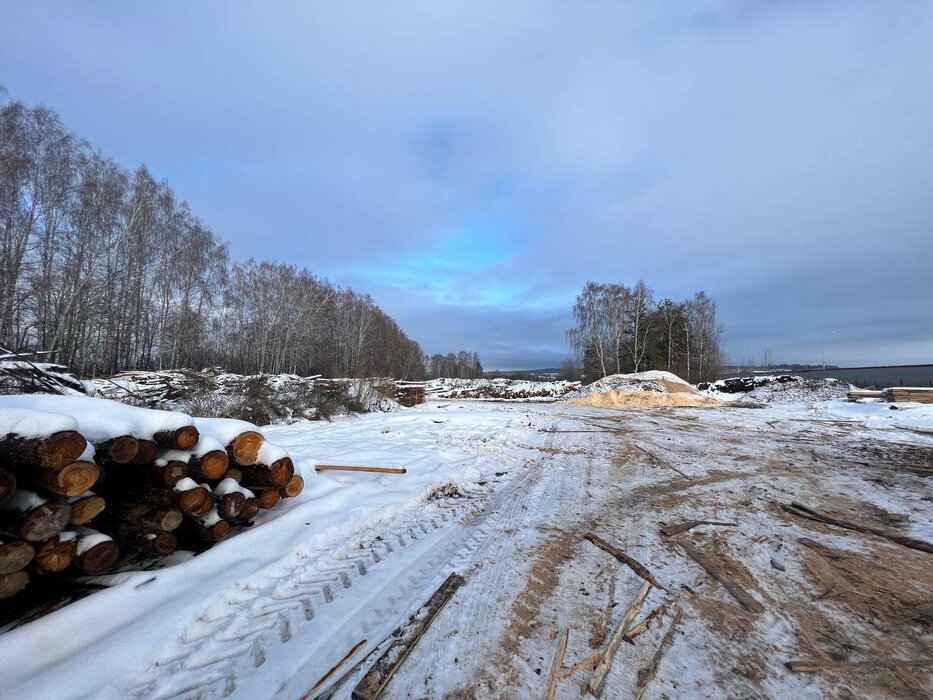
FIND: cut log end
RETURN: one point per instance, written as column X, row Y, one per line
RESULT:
column 163, row 544
column 269, row 497
column 84, row 510
column 294, row 487
column 14, row 556
column 230, row 505
column 73, row 480
column 244, row 448
column 11, row 584
column 98, row 558
column 45, row 522
column 145, row 453
column 194, row 500
column 184, row 438
column 250, row 509
column 214, row 464
column 55, row 555
column 119, row 450
column 60, row 449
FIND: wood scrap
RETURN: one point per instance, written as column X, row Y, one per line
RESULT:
column 343, row 468
column 404, row 640
column 677, row 528
column 647, row 674
column 621, row 556
column 551, row 687
column 591, row 660
column 327, row 676
column 663, row 462
column 739, row 593
column 602, row 668
column 803, row 511
column 816, row 665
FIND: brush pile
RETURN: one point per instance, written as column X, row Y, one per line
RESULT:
column 83, row 479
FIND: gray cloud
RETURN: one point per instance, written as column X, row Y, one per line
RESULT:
column 776, row 155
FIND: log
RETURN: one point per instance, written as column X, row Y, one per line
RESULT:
column 551, row 687
column 244, row 448
column 250, row 509
column 73, row 480
column 119, row 450
column 146, row 451
column 96, row 551
column 209, row 527
column 145, row 516
column 15, row 555
column 55, row 555
column 86, row 507
column 190, row 501
column 207, row 503
column 342, row 468
column 677, row 528
column 648, row 673
column 184, row 438
column 235, row 474
column 404, row 640
column 804, row 512
column 739, row 593
column 209, row 466
column 11, row 584
column 32, row 518
column 144, row 539
column 602, row 668
column 293, row 488
column 230, row 505
column 7, row 484
column 276, row 474
column 53, row 452
column 815, row 665
column 269, row 497
column 167, row 474
column 621, row 556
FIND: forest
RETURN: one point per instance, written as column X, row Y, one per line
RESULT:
column 112, row 271
column 623, row 329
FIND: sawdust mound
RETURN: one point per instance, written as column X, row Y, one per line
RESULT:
column 643, row 389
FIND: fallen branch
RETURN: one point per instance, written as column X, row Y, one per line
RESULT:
column 677, row 528
column 340, row 468
column 739, row 593
column 804, row 512
column 815, row 665
column 405, row 639
column 663, row 462
column 646, row 675
column 621, row 556
column 555, row 666
column 586, row 663
column 602, row 668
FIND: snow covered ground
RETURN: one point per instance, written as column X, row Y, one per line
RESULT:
column 500, row 389
column 502, row 493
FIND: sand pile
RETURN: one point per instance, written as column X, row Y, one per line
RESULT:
column 643, row 389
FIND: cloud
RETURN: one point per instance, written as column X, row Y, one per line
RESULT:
column 473, row 164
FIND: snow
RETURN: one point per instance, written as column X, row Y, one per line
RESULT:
column 223, row 430
column 32, row 423
column 88, row 538
column 231, row 486
column 101, row 419
column 776, row 389
column 499, row 389
column 186, row 484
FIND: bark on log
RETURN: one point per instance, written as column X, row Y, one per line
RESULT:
column 269, row 497
column 86, row 507
column 7, row 484
column 293, row 488
column 145, row 540
column 210, row 527
column 118, row 450
column 55, row 555
column 209, row 466
column 244, row 448
column 167, row 474
column 263, row 475
column 11, row 584
column 146, row 517
column 14, row 556
column 145, row 453
column 34, row 523
column 53, row 452
column 184, row 438
column 230, row 505
column 73, row 480
column 189, row 501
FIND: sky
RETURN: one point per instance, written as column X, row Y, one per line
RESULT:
column 472, row 164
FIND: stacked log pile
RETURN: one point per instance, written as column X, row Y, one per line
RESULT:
column 410, row 394
column 905, row 393
column 84, row 480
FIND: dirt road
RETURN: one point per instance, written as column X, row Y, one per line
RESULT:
column 826, row 593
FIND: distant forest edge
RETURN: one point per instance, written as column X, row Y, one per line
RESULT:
column 623, row 329
column 113, row 272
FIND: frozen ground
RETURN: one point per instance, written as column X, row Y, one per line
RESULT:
column 503, row 494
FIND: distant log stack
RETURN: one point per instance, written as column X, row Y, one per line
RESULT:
column 857, row 394
column 410, row 394
column 904, row 393
column 160, row 480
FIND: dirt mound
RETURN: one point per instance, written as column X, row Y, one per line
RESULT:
column 643, row 389
column 777, row 389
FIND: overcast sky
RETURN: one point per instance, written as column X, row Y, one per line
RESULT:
column 472, row 164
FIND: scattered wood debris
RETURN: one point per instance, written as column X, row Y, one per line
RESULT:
column 816, row 665
column 633, row 564
column 739, row 593
column 647, row 674
column 556, row 665
column 677, row 528
column 602, row 668
column 330, row 674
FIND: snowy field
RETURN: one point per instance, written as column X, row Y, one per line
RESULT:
column 502, row 493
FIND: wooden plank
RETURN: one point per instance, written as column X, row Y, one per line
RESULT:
column 802, row 511
column 621, row 556
column 602, row 668
column 342, row 468
column 327, row 676
column 816, row 665
column 739, row 593
column 677, row 528
column 551, row 687
column 647, row 674
column 586, row 663
column 405, row 639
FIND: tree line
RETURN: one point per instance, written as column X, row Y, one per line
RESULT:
column 621, row 329
column 463, row 365
column 112, row 271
